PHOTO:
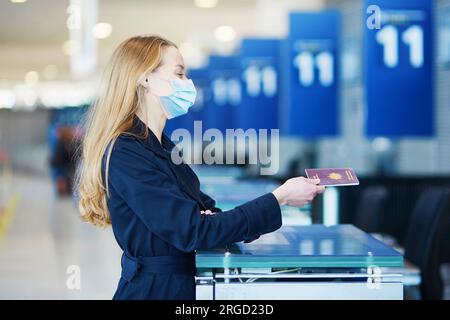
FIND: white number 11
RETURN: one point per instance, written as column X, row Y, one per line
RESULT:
column 413, row 37
column 306, row 62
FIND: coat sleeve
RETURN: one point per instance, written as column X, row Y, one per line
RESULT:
column 174, row 217
column 209, row 202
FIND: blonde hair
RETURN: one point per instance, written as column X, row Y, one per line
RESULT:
column 111, row 115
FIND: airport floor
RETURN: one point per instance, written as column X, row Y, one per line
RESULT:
column 45, row 237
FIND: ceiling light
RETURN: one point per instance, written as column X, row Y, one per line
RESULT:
column 206, row 4
column 225, row 34
column 102, row 30
column 18, row 1
column 31, row 78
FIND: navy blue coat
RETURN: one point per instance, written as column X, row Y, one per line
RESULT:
column 155, row 214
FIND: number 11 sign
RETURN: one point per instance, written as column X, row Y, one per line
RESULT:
column 311, row 67
column 399, row 68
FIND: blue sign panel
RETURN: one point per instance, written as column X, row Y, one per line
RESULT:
column 225, row 91
column 200, row 77
column 310, row 81
column 259, row 82
column 399, row 68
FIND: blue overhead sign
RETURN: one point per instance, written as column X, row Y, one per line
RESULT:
column 399, row 68
column 259, row 76
column 225, row 90
column 310, row 82
column 200, row 77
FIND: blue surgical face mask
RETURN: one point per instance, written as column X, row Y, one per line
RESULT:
column 181, row 98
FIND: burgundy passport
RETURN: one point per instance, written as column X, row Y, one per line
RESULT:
column 333, row 176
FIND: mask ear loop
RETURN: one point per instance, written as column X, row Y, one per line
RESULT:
column 141, row 96
column 140, row 106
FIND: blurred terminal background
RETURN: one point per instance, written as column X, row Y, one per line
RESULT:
column 344, row 92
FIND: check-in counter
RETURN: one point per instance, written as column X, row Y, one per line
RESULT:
column 302, row 262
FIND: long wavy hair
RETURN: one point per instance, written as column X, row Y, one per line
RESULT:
column 111, row 115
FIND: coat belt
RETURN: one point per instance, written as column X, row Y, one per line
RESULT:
column 131, row 266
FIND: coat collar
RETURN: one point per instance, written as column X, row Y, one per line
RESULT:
column 138, row 127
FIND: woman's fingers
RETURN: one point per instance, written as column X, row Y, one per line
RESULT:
column 298, row 191
column 320, row 189
column 312, row 181
column 207, row 212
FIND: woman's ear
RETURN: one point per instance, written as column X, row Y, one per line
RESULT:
column 156, row 85
column 143, row 81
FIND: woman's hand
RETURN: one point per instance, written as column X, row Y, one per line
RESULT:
column 298, row 191
column 207, row 212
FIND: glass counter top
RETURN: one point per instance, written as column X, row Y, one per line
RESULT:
column 314, row 246
column 217, row 173
column 238, row 191
column 290, row 215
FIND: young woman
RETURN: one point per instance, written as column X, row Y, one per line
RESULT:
column 127, row 179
